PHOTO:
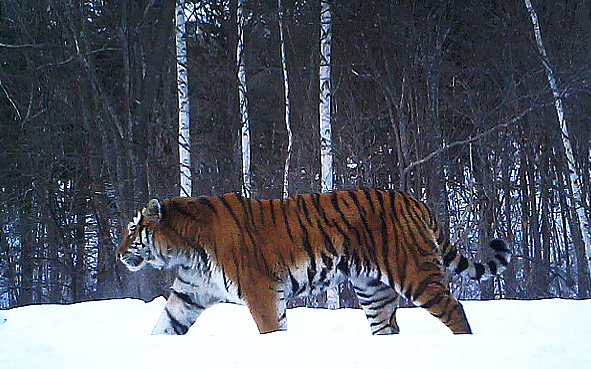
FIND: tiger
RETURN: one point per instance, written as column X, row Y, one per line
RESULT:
column 261, row 253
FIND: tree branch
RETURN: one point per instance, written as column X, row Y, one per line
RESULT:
column 11, row 100
column 22, row 46
column 443, row 149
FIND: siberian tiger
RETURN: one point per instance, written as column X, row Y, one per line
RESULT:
column 262, row 252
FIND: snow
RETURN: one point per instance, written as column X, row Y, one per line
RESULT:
column 116, row 334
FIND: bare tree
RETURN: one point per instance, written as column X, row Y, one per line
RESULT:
column 243, row 100
column 576, row 202
column 183, row 100
column 324, row 109
column 332, row 294
column 287, row 102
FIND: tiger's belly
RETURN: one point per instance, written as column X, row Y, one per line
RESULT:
column 310, row 278
column 318, row 276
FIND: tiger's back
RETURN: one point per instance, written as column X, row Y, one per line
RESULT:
column 265, row 251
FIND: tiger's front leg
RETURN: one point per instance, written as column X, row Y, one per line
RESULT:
column 186, row 302
column 179, row 314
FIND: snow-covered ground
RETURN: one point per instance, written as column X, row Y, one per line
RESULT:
column 116, row 334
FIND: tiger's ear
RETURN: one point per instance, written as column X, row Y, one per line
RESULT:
column 153, row 211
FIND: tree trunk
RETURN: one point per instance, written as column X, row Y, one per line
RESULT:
column 485, row 199
column 544, row 278
column 287, row 103
column 437, row 182
column 149, row 52
column 566, row 222
column 524, row 164
column 510, row 273
column 534, row 230
column 326, row 183
column 183, row 96
column 243, row 99
column 584, row 283
column 27, row 260
column 106, row 281
column 576, row 201
column 402, row 134
column 79, row 267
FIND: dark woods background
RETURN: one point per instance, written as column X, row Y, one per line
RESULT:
column 88, row 121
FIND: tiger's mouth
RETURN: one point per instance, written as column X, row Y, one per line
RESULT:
column 134, row 261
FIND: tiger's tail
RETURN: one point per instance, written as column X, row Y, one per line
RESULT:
column 458, row 264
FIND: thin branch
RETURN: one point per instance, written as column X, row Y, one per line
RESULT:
column 23, row 46
column 479, row 136
column 55, row 64
column 11, row 100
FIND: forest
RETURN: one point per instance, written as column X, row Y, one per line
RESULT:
column 479, row 108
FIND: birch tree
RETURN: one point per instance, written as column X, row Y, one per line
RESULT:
column 183, row 100
column 324, row 74
column 287, row 103
column 243, row 99
column 572, row 169
column 332, row 294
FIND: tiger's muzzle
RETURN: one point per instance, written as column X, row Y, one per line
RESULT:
column 134, row 259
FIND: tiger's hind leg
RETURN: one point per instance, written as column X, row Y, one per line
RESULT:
column 437, row 299
column 267, row 306
column 379, row 302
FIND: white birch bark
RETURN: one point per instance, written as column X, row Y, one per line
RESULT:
column 287, row 103
column 243, row 99
column 332, row 294
column 324, row 74
column 573, row 172
column 183, row 96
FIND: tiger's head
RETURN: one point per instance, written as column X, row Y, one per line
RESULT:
column 137, row 248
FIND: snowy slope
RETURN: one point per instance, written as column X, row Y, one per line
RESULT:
column 116, row 334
